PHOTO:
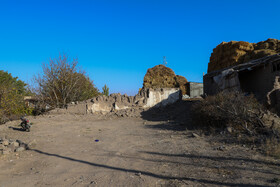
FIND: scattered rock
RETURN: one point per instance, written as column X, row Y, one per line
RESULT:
column 6, row 151
column 221, row 148
column 5, row 142
column 229, row 129
column 138, row 174
column 20, row 149
column 15, row 144
column 195, row 135
column 9, row 146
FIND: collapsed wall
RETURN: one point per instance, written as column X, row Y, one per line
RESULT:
column 161, row 87
column 233, row 53
column 146, row 98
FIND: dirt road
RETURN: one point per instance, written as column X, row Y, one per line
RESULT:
column 69, row 150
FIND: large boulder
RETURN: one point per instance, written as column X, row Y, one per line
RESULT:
column 233, row 53
column 161, row 76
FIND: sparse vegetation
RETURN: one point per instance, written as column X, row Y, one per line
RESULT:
column 105, row 90
column 228, row 108
column 246, row 118
column 62, row 82
column 12, row 92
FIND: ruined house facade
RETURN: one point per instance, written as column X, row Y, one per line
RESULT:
column 256, row 77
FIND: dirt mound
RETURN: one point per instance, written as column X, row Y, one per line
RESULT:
column 233, row 53
column 161, row 76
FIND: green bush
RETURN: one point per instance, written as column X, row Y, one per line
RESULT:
column 105, row 90
column 12, row 92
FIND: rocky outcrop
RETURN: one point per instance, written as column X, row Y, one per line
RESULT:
column 233, row 53
column 161, row 76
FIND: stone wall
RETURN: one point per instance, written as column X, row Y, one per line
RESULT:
column 147, row 98
column 162, row 97
column 194, row 89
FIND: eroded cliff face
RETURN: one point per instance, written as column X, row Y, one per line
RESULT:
column 233, row 53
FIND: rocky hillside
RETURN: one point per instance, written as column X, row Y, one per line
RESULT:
column 161, row 76
column 233, row 53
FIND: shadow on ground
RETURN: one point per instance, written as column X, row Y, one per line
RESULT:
column 175, row 116
column 17, row 129
column 147, row 173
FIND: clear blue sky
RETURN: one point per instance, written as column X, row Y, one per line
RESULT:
column 117, row 41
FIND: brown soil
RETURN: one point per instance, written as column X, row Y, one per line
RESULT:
column 130, row 152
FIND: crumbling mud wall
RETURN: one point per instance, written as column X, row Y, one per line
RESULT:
column 161, row 87
column 102, row 104
column 145, row 99
column 233, row 53
column 161, row 97
column 113, row 102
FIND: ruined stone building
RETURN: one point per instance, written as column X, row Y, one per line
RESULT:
column 161, row 87
column 245, row 67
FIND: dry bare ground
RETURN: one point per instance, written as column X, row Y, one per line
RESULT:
column 130, row 152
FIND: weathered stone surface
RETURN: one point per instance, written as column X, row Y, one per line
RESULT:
column 5, row 142
column 6, row 151
column 15, row 144
column 20, row 149
column 233, row 53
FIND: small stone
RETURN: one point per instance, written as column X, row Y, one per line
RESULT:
column 15, row 144
column 19, row 149
column 5, row 142
column 221, row 148
column 20, row 142
column 229, row 129
column 138, row 174
column 195, row 135
column 32, row 144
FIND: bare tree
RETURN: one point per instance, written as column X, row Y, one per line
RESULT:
column 62, row 82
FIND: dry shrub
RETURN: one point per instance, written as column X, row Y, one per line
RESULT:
column 228, row 109
column 62, row 82
column 272, row 147
column 248, row 119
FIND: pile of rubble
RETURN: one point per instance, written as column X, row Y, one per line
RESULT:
column 8, row 146
column 233, row 53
